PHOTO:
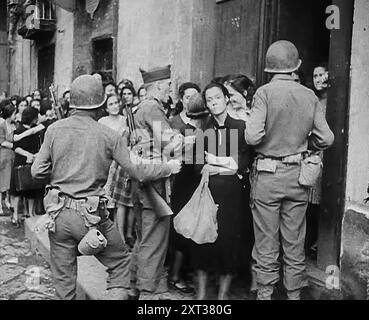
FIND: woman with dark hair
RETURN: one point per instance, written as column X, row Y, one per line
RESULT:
column 320, row 87
column 184, row 185
column 110, row 88
column 115, row 121
column 37, row 95
column 122, row 193
column 320, row 82
column 227, row 160
column 128, row 95
column 22, row 105
column 15, row 100
column 65, row 104
column 241, row 91
column 7, row 129
column 141, row 93
column 25, row 152
column 123, row 83
column 185, row 92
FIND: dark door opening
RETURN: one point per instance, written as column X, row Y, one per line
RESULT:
column 46, row 58
column 304, row 23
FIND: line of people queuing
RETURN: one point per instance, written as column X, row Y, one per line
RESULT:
column 221, row 106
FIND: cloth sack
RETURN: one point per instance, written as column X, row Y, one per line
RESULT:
column 311, row 168
column 198, row 218
column 24, row 180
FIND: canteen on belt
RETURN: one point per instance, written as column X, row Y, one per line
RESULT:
column 92, row 243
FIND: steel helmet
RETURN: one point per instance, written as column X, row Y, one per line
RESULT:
column 87, row 93
column 282, row 57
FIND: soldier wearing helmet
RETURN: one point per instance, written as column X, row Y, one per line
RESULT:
column 285, row 120
column 75, row 159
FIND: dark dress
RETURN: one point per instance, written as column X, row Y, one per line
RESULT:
column 31, row 144
column 184, row 185
column 230, row 253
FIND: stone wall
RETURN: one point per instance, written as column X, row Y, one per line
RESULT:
column 355, row 225
column 63, row 50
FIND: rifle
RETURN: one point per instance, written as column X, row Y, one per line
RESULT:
column 57, row 109
column 133, row 139
column 161, row 206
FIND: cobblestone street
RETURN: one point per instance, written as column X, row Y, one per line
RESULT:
column 24, row 275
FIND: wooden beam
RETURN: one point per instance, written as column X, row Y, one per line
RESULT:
column 335, row 158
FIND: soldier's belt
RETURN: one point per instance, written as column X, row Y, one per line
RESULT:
column 292, row 159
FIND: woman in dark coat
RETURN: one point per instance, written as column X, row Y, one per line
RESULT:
column 227, row 160
column 25, row 153
column 186, row 182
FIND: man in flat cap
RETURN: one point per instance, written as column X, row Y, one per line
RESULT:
column 75, row 159
column 157, row 140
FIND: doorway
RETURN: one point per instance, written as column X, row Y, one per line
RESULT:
column 46, row 58
column 245, row 29
column 304, row 24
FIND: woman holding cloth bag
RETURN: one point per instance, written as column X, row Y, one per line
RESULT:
column 227, row 157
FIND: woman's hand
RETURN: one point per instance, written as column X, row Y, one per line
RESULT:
column 210, row 169
column 210, row 158
column 30, row 158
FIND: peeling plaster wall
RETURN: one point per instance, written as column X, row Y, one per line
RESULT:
column 63, row 49
column 167, row 32
column 355, row 225
column 160, row 36
column 23, row 67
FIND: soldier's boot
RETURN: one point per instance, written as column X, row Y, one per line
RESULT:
column 264, row 293
column 145, row 295
column 294, row 295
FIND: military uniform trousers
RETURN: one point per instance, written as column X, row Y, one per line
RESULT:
column 70, row 228
column 278, row 206
column 149, row 253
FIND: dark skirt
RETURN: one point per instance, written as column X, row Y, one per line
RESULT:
column 231, row 252
column 185, row 184
column 29, row 194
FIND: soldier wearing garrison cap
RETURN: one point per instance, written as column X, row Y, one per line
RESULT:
column 75, row 159
column 156, row 141
column 285, row 120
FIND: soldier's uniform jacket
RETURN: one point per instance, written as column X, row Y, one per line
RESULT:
column 286, row 119
column 77, row 153
column 157, row 141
